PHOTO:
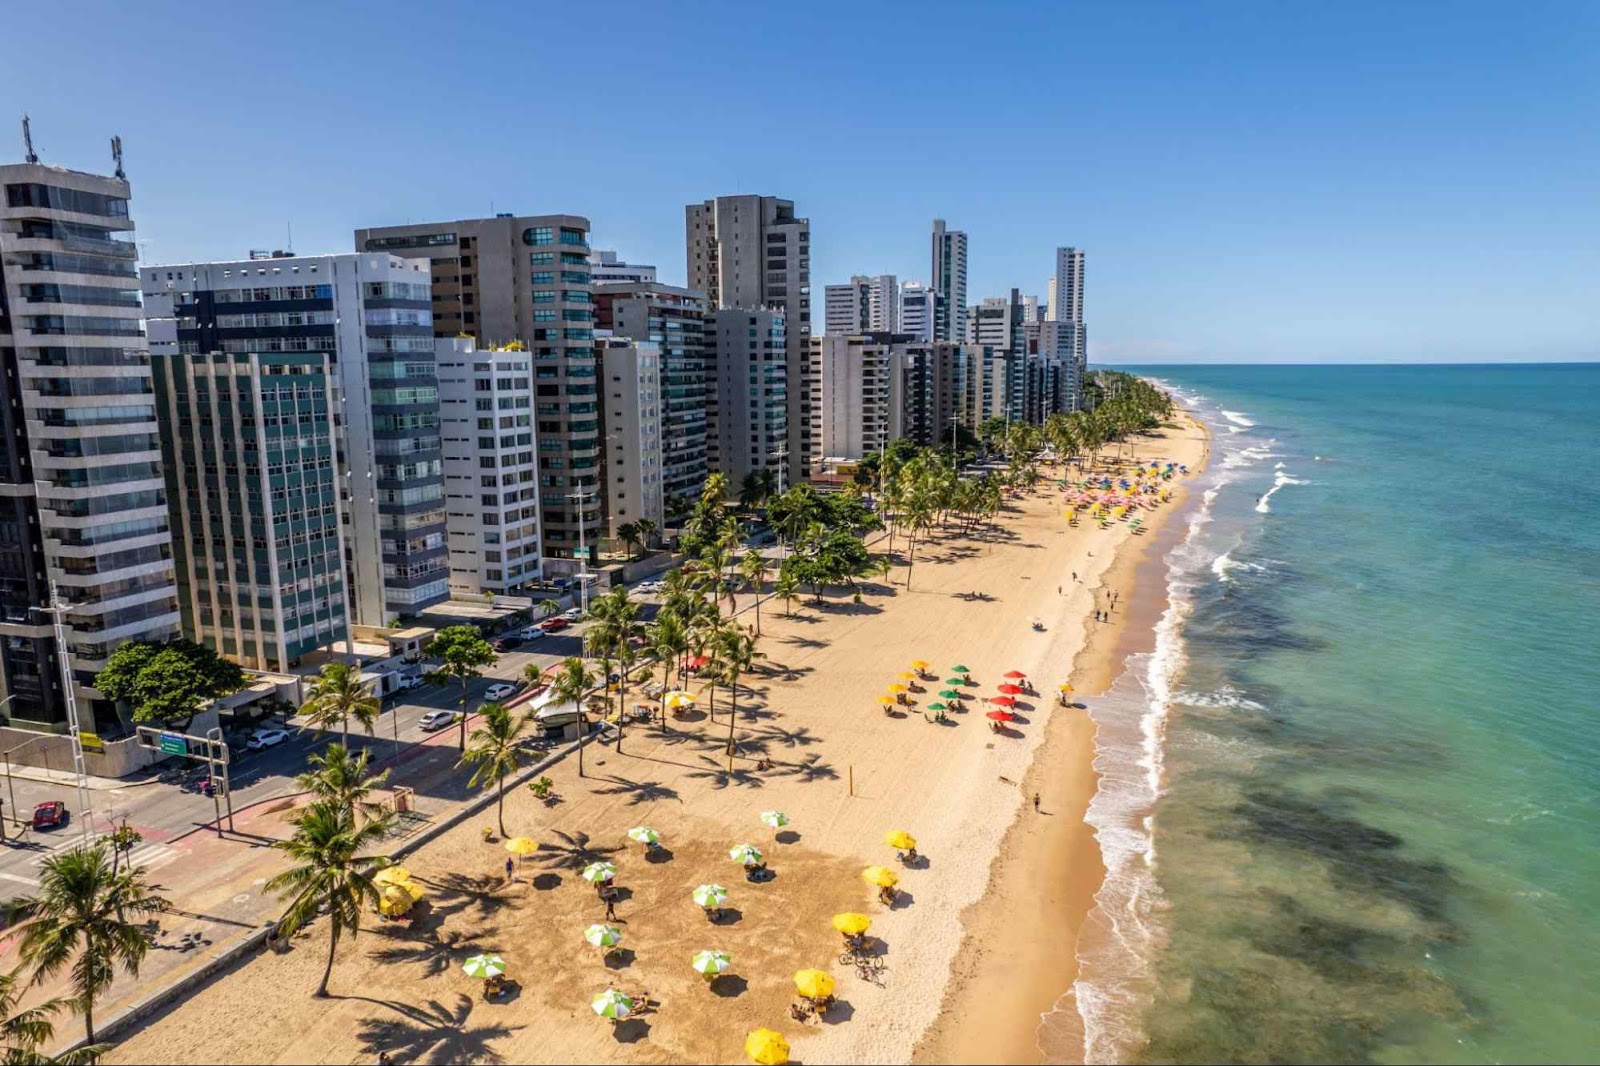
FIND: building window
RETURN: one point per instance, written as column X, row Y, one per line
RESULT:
column 538, row 235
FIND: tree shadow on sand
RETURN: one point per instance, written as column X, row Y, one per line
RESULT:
column 798, row 737
column 458, row 893
column 436, row 954
column 571, row 851
column 432, row 1034
column 719, row 777
column 637, row 791
column 809, row 769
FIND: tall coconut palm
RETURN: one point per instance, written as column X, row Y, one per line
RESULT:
column 80, row 917
column 24, row 1030
column 753, row 571
column 339, row 694
column 787, row 588
column 667, row 639
column 571, row 683
column 330, row 872
column 495, row 749
column 736, row 653
column 647, row 531
column 341, row 777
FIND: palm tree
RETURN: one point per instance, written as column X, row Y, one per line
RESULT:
column 629, row 534
column 330, row 872
column 338, row 695
column 495, row 748
column 787, row 588
column 23, row 1030
column 754, row 568
column 341, row 778
column 647, row 530
column 79, row 916
column 571, row 683
column 736, row 653
column 668, row 640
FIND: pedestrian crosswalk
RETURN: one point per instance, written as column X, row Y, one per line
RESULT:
column 153, row 856
column 149, row 856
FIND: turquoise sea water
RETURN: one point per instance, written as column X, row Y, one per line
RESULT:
column 1352, row 801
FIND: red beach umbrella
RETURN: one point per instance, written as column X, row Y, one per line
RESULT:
column 1003, row 701
column 1000, row 716
column 1015, row 674
column 1010, row 690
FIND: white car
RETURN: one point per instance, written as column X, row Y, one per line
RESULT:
column 266, row 738
column 409, row 681
column 574, row 614
column 499, row 691
column 531, row 633
column 436, row 720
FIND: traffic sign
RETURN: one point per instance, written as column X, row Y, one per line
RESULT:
column 174, row 744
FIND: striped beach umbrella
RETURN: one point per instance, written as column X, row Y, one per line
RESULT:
column 643, row 834
column 484, row 966
column 748, row 854
column 596, row 872
column 612, row 1004
column 603, row 936
column 711, row 963
column 774, row 819
column 710, row 895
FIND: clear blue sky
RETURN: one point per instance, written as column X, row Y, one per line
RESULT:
column 1252, row 182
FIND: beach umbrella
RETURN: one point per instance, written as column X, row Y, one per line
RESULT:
column 711, row 963
column 711, row 895
column 774, row 819
column 612, row 1004
column 919, row 664
column 1000, row 716
column 937, row 707
column 959, row 670
column 897, row 687
column 899, row 838
column 886, row 700
column 767, row 1047
column 643, row 834
column 1064, row 687
column 748, row 854
column 680, row 699
column 522, row 845
column 906, row 675
column 1003, row 701
column 484, row 966
column 1015, row 674
column 813, row 984
column 596, row 872
column 1010, row 690
column 851, row 924
column 391, row 875
column 397, row 899
column 950, row 694
column 603, row 936
column 955, row 681
column 881, row 876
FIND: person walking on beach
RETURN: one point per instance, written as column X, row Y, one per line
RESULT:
column 611, row 906
column 1036, row 803
column 511, row 869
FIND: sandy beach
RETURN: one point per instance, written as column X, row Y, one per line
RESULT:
column 973, row 951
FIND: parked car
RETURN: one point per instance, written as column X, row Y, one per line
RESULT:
column 531, row 633
column 573, row 614
column 508, row 642
column 434, row 720
column 499, row 691
column 50, row 814
column 409, row 681
column 554, row 625
column 266, row 738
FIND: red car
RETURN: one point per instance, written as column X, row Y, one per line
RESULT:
column 50, row 814
column 553, row 625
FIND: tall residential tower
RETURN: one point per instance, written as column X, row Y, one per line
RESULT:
column 950, row 282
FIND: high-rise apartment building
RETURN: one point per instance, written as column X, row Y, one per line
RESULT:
column 1063, row 334
column 674, row 320
column 491, row 470
column 750, row 253
column 749, row 395
column 919, row 310
column 950, row 282
column 364, row 322
column 630, row 400
column 858, row 389
column 606, row 269
column 525, row 279
column 866, row 305
column 82, row 499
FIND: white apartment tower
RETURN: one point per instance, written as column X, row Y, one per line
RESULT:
column 919, row 304
column 630, row 397
column 866, row 305
column 950, row 282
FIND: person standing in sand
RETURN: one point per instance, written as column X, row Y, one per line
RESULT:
column 1036, row 803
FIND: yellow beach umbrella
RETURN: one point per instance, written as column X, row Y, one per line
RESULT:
column 881, row 876
column 886, row 700
column 852, row 924
column 767, row 1047
column 919, row 664
column 680, row 699
column 1064, row 688
column 391, row 875
column 522, row 845
column 897, row 687
column 899, row 838
column 813, row 984
column 906, row 675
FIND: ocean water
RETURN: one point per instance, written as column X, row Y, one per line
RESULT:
column 1351, row 804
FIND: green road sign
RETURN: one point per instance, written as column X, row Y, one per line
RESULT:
column 173, row 744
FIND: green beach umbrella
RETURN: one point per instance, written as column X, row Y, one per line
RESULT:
column 484, row 966
column 603, row 936
column 612, row 1004
column 711, row 895
column 711, row 963
column 955, row 681
column 950, row 694
column 774, row 819
column 748, row 854
column 937, row 707
column 959, row 670
column 644, row 835
column 596, row 872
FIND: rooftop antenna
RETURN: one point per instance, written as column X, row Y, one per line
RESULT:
column 289, row 228
column 27, row 139
column 116, row 155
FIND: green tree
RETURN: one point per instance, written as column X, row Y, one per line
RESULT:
column 753, row 571
column 24, row 1030
column 167, row 682
column 330, row 872
column 668, row 640
column 339, row 777
column 735, row 654
column 647, row 531
column 787, row 588
column 496, row 751
column 571, row 683
column 79, row 919
column 339, row 694
column 123, row 839
column 463, row 653
column 629, row 534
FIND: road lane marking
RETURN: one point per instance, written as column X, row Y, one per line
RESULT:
column 20, row 879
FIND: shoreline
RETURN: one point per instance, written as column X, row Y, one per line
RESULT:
column 1044, row 882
